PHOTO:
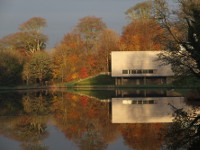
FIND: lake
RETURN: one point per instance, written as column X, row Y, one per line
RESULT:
column 128, row 119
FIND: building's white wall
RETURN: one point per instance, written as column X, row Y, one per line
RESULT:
column 129, row 60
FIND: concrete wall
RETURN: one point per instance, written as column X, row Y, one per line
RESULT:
column 138, row 60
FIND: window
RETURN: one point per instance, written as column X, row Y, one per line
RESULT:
column 124, row 71
column 133, row 71
column 139, row 71
column 151, row 71
column 139, row 102
column 145, row 71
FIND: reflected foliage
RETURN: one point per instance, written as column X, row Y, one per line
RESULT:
column 136, row 134
column 84, row 120
column 37, row 103
column 184, row 132
column 38, row 146
column 24, row 116
column 10, row 103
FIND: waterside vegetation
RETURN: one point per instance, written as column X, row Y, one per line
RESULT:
column 77, row 60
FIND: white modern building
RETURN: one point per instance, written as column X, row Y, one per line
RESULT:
column 139, row 67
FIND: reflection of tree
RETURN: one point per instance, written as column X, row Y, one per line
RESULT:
column 28, row 126
column 37, row 146
column 184, row 132
column 36, row 104
column 10, row 103
column 142, row 136
column 193, row 98
column 25, row 129
column 84, row 120
column 92, row 139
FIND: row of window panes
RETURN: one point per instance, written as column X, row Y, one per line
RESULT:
column 139, row 102
column 139, row 71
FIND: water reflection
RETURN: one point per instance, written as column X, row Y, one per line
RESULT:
column 145, row 109
column 32, row 118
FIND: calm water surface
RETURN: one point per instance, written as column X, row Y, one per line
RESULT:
column 90, row 120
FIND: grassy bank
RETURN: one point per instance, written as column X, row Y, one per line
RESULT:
column 107, row 82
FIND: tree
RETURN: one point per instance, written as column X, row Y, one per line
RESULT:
column 144, row 32
column 89, row 28
column 142, row 35
column 107, row 42
column 141, row 10
column 11, row 65
column 66, row 57
column 30, row 38
column 34, row 24
column 39, row 68
column 182, row 49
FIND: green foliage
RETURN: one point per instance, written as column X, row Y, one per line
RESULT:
column 11, row 66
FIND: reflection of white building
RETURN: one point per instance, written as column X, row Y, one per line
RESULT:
column 139, row 67
column 145, row 109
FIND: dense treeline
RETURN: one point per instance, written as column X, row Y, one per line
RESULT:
column 85, row 51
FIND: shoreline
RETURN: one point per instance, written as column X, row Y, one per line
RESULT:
column 97, row 87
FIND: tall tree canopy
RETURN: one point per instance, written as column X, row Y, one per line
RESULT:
column 143, row 32
column 142, row 35
column 90, row 27
column 11, row 66
column 108, row 41
column 29, row 39
column 38, row 69
column 34, row 24
column 183, row 48
column 141, row 10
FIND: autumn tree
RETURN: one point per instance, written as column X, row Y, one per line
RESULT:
column 11, row 65
column 142, row 35
column 35, row 24
column 39, row 68
column 143, row 32
column 67, row 58
column 141, row 10
column 89, row 28
column 107, row 42
column 29, row 39
column 182, row 24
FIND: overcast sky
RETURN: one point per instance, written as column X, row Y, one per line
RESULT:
column 62, row 15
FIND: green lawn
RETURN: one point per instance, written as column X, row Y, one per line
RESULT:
column 98, row 80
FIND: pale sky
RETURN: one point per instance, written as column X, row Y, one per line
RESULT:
column 62, row 15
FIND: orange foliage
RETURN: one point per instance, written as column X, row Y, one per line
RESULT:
column 92, row 61
column 142, row 35
column 136, row 134
column 84, row 101
column 83, row 72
